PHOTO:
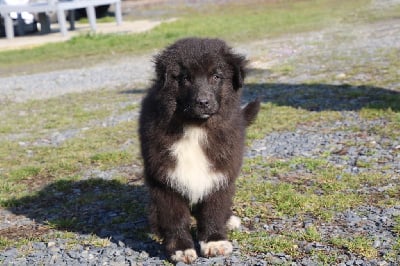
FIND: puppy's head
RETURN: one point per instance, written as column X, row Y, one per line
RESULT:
column 199, row 74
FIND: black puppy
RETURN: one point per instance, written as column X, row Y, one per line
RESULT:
column 192, row 132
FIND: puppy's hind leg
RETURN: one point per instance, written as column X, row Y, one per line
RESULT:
column 233, row 223
column 170, row 217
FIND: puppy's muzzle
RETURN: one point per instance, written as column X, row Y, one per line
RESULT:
column 205, row 105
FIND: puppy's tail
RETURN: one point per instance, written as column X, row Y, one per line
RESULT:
column 250, row 111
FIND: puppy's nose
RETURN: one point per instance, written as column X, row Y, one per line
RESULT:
column 202, row 102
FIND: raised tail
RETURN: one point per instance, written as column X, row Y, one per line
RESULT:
column 250, row 111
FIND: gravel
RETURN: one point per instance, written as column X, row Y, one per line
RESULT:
column 121, row 74
column 379, row 153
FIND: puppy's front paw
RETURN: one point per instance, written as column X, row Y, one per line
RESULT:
column 187, row 256
column 216, row 248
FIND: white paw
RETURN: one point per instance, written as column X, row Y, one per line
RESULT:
column 215, row 248
column 233, row 223
column 187, row 256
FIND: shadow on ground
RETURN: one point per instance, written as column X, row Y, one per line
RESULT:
column 324, row 97
column 106, row 208
column 134, row 91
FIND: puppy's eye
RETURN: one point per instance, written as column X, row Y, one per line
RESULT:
column 216, row 77
column 185, row 78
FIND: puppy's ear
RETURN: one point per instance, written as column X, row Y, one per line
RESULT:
column 238, row 63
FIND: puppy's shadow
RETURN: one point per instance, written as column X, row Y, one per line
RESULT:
column 106, row 208
column 321, row 96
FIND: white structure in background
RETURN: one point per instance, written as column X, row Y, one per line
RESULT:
column 9, row 9
column 26, row 16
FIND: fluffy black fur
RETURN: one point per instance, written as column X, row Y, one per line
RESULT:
column 197, row 87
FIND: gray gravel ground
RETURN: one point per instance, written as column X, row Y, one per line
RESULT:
column 302, row 51
column 126, row 73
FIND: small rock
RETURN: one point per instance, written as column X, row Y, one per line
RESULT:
column 377, row 243
column 121, row 244
column 359, row 262
column 12, row 252
column 129, row 251
column 85, row 253
column 341, row 76
column 309, row 248
column 307, row 224
column 144, row 254
column 73, row 254
column 39, row 245
column 382, row 263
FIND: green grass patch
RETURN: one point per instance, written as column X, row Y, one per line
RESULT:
column 262, row 242
column 110, row 158
column 270, row 188
column 375, row 15
column 5, row 243
column 24, row 172
column 33, row 155
column 68, row 111
column 311, row 234
column 232, row 22
column 273, row 117
column 396, row 230
column 357, row 244
column 396, row 227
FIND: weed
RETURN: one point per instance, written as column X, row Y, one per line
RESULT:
column 64, row 223
column 5, row 243
column 396, row 227
column 325, row 258
column 262, row 242
column 273, row 118
column 24, row 172
column 311, row 234
column 357, row 244
column 96, row 241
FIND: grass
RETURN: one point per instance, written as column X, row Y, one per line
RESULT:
column 274, row 189
column 261, row 242
column 48, row 174
column 235, row 23
column 31, row 160
column 357, row 244
column 318, row 191
column 274, row 118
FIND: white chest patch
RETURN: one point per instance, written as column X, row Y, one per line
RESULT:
column 193, row 175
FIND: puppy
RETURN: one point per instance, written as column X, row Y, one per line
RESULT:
column 192, row 132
